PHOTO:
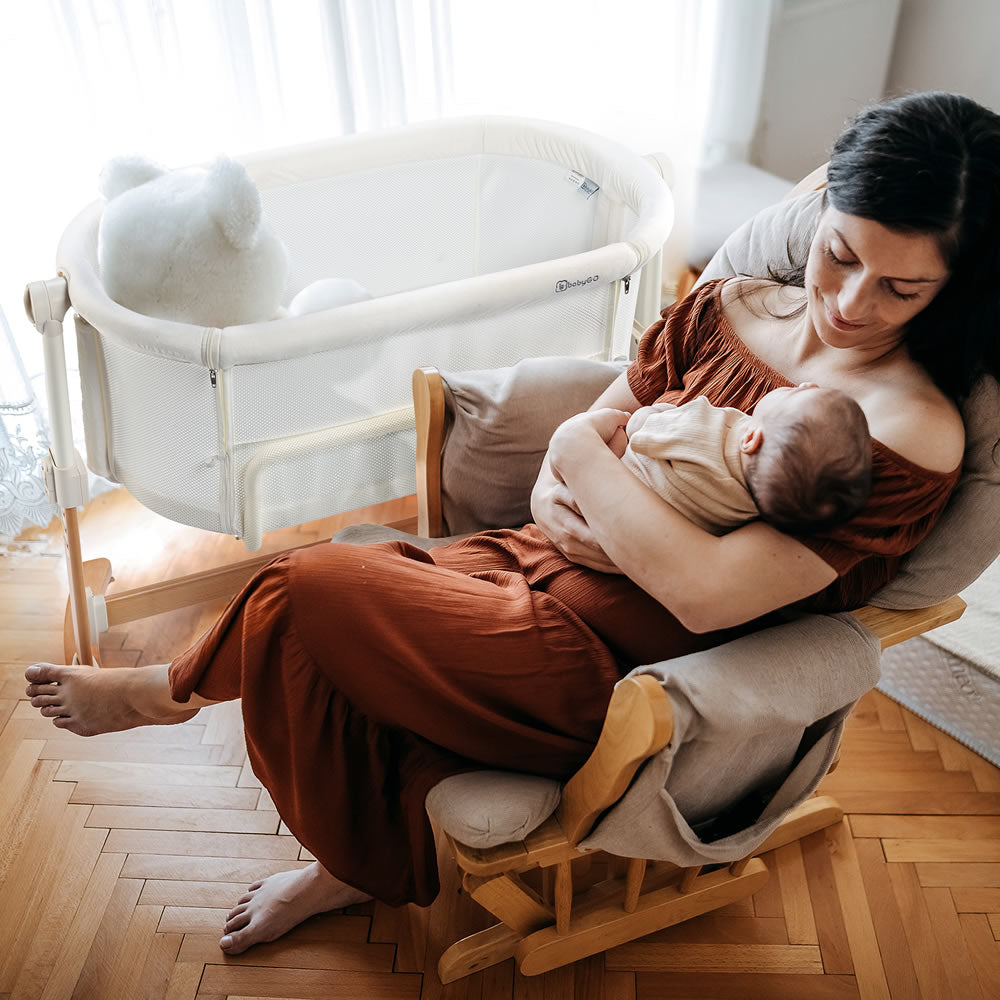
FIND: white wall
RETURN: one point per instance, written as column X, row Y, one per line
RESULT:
column 948, row 46
column 825, row 60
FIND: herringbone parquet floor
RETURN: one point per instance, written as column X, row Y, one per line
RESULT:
column 120, row 855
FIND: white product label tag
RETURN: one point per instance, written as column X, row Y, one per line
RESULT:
column 585, row 185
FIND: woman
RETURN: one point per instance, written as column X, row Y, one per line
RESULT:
column 368, row 674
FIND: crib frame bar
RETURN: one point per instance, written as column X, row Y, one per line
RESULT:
column 46, row 304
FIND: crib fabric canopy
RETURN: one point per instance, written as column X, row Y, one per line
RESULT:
column 483, row 241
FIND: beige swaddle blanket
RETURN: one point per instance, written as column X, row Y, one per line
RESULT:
column 690, row 456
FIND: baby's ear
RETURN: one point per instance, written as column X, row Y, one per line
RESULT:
column 123, row 173
column 234, row 202
column 751, row 441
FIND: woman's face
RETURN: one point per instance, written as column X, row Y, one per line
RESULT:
column 865, row 282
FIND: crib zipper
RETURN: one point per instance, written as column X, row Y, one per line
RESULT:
column 218, row 383
column 225, row 469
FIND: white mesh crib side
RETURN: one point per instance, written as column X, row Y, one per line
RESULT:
column 159, row 431
column 337, row 449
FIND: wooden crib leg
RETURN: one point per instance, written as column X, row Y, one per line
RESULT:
column 96, row 575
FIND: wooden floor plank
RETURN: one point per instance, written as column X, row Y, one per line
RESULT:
column 293, row 953
column 167, row 774
column 976, row 899
column 928, row 962
column 59, row 903
column 888, row 922
column 126, row 793
column 951, row 940
column 96, row 975
column 201, row 869
column 934, row 873
column 184, row 981
column 802, row 960
column 927, row 827
column 860, row 800
column 215, row 845
column 941, row 850
column 38, row 843
column 797, row 907
column 181, row 819
column 308, row 984
column 985, row 951
column 869, row 973
column 724, row 986
column 827, row 911
column 69, row 963
column 159, row 966
column 126, row 973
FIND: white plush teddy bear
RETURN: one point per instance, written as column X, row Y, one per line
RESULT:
column 193, row 245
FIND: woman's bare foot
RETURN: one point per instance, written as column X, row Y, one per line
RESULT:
column 89, row 700
column 276, row 904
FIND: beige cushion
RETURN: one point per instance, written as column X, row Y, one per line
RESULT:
column 486, row 808
column 501, row 422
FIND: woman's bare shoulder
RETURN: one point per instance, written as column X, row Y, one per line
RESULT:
column 748, row 301
column 758, row 310
column 916, row 420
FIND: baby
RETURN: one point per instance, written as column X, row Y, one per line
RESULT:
column 801, row 461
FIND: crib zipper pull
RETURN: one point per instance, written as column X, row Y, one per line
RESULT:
column 212, row 376
column 628, row 281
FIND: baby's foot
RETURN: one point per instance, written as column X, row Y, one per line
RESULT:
column 278, row 903
column 89, row 700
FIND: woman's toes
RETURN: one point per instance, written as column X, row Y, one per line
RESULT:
column 235, row 943
column 245, row 898
column 34, row 690
column 237, row 922
column 43, row 673
column 53, row 711
column 256, row 885
column 42, row 700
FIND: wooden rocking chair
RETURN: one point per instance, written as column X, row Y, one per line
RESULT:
column 553, row 904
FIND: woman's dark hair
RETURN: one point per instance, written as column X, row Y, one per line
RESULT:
column 930, row 163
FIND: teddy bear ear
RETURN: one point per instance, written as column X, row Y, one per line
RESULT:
column 234, row 202
column 123, row 173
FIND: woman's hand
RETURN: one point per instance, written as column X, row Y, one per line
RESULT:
column 575, row 439
column 552, row 505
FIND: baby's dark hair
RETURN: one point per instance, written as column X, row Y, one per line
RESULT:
column 813, row 470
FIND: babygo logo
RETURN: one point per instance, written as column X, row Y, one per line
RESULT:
column 561, row 286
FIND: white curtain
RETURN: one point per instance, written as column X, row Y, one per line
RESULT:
column 182, row 80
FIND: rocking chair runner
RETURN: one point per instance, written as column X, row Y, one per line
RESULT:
column 551, row 925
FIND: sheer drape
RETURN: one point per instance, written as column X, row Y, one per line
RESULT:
column 182, row 80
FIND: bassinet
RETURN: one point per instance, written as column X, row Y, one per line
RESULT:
column 483, row 241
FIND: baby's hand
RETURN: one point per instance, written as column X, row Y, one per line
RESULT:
column 640, row 416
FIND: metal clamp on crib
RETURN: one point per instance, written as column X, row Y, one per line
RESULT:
column 97, row 614
column 67, row 486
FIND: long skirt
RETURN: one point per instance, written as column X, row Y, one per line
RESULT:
column 369, row 673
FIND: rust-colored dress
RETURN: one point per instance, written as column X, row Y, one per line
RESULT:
column 369, row 673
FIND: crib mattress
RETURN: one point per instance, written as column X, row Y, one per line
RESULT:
column 951, row 677
column 483, row 242
column 948, row 691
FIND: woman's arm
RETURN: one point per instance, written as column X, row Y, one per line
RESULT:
column 554, row 508
column 709, row 582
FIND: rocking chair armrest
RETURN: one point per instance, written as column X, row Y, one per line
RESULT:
column 895, row 626
column 638, row 724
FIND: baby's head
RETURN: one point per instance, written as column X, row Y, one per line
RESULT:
column 807, row 457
